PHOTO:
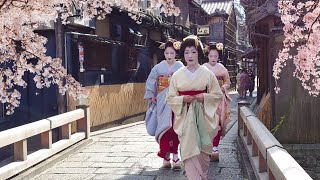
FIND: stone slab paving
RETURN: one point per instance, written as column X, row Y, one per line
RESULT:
column 130, row 154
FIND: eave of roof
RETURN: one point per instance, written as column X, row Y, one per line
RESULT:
column 218, row 7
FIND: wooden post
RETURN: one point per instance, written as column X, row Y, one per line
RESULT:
column 59, row 54
column 249, row 137
column 240, row 121
column 20, row 150
column 59, row 36
column 262, row 164
column 271, row 176
column 46, row 139
column 83, row 124
column 66, row 131
column 255, row 149
column 245, row 130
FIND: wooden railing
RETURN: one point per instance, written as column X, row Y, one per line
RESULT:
column 18, row 137
column 267, row 156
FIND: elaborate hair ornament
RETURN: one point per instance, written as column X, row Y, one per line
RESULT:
column 162, row 45
column 196, row 40
column 176, row 44
column 219, row 46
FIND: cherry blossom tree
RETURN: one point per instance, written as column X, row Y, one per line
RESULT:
column 22, row 50
column 301, row 44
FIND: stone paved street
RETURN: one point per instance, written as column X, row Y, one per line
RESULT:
column 130, row 153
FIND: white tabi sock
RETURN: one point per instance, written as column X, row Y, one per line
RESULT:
column 175, row 157
column 215, row 149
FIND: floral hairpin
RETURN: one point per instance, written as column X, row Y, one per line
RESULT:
column 219, row 46
column 177, row 45
column 162, row 45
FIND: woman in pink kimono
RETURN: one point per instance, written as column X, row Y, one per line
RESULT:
column 194, row 95
column 214, row 50
column 244, row 83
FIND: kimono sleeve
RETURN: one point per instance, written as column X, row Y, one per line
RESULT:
column 173, row 99
column 213, row 96
column 226, row 80
column 151, row 84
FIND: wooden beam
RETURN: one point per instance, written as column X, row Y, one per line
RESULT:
column 262, row 163
column 249, row 137
column 240, row 120
column 20, row 150
column 46, row 139
column 66, row 131
column 261, row 35
column 83, row 125
column 255, row 149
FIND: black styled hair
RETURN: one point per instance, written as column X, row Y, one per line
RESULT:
column 213, row 46
column 189, row 42
column 168, row 44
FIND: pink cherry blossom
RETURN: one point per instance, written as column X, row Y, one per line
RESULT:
column 301, row 44
column 19, row 42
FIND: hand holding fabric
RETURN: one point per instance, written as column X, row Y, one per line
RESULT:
column 153, row 99
column 188, row 99
column 199, row 97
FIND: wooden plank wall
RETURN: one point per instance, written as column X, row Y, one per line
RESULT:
column 301, row 111
column 264, row 111
column 109, row 103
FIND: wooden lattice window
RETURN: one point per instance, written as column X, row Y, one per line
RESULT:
column 97, row 54
column 132, row 58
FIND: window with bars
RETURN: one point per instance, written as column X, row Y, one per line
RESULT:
column 97, row 54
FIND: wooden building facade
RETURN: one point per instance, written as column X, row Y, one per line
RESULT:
column 223, row 26
column 118, row 59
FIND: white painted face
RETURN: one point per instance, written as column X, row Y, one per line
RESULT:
column 191, row 55
column 170, row 54
column 213, row 57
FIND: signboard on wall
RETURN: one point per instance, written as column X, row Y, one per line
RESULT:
column 203, row 30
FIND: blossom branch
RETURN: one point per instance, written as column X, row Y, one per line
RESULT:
column 19, row 44
column 301, row 43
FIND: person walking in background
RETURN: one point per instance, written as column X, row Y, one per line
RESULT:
column 159, row 116
column 238, row 80
column 214, row 51
column 251, row 81
column 244, row 83
column 194, row 96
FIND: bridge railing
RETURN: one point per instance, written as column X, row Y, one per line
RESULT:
column 18, row 137
column 267, row 156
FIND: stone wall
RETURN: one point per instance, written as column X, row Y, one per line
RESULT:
column 308, row 156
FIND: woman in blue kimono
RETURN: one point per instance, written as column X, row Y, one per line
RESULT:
column 159, row 116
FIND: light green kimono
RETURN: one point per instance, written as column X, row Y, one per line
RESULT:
column 198, row 125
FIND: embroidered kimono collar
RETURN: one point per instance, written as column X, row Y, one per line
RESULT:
column 190, row 74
